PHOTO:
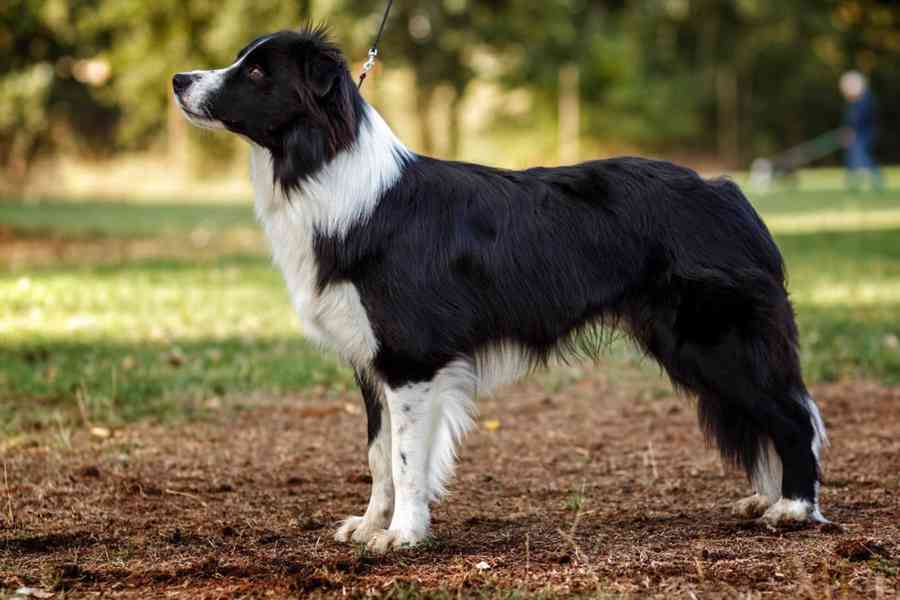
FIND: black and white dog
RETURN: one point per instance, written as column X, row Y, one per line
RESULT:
column 438, row 281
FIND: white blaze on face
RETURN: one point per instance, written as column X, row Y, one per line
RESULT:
column 193, row 102
column 195, row 99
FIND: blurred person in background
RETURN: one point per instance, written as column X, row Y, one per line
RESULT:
column 859, row 131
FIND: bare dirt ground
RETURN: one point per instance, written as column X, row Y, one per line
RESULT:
column 602, row 489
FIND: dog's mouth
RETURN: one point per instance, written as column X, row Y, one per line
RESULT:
column 200, row 119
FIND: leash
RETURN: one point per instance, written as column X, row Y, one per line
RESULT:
column 373, row 51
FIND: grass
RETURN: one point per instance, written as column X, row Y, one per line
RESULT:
column 92, row 220
column 106, row 337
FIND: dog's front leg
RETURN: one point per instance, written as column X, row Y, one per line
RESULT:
column 412, row 418
column 381, row 502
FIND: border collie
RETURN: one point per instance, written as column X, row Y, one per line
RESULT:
column 437, row 281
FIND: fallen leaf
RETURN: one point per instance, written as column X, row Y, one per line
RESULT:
column 320, row 411
column 100, row 432
column 175, row 358
column 492, row 424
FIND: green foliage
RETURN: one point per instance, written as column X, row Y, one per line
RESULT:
column 690, row 75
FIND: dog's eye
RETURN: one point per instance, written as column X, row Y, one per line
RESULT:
column 256, row 73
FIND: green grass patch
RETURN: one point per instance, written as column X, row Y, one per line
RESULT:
column 166, row 335
column 88, row 220
column 155, row 338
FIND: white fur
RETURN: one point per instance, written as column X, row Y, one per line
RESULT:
column 427, row 422
column 193, row 102
column 452, row 411
column 788, row 512
column 343, row 192
column 381, row 502
column 767, row 475
column 751, row 506
column 820, row 437
column 412, row 418
column 499, row 365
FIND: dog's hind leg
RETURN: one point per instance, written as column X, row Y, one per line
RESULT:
column 454, row 393
column 765, row 477
column 740, row 359
column 797, row 438
column 775, row 435
column 381, row 502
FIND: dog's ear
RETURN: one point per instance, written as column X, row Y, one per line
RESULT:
column 322, row 71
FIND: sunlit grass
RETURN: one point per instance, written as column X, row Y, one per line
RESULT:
column 198, row 317
column 108, row 219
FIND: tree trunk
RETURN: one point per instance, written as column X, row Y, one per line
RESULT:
column 569, row 114
column 729, row 118
column 424, row 96
column 455, row 125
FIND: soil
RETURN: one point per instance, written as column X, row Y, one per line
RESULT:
column 599, row 489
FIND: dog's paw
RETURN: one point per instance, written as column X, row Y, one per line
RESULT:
column 788, row 513
column 751, row 507
column 394, row 539
column 357, row 529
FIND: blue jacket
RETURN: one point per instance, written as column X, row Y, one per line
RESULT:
column 860, row 116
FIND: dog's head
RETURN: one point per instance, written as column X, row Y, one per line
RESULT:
column 289, row 92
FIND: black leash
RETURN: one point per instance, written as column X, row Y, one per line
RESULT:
column 373, row 51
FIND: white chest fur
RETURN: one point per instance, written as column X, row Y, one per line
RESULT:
column 344, row 192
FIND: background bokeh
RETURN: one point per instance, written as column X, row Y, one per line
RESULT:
column 714, row 83
column 134, row 282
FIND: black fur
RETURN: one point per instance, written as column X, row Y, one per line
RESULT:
column 457, row 258
column 305, row 110
column 539, row 256
column 372, row 400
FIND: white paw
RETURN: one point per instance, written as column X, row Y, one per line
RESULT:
column 751, row 507
column 357, row 529
column 787, row 512
column 394, row 539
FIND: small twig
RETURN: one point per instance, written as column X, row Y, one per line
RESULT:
column 570, row 536
column 650, row 460
column 527, row 552
column 186, row 495
column 81, row 399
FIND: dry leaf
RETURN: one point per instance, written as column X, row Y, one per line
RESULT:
column 175, row 358
column 100, row 432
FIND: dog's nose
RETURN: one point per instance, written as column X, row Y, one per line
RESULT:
column 181, row 82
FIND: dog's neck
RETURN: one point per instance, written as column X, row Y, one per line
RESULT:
column 346, row 189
